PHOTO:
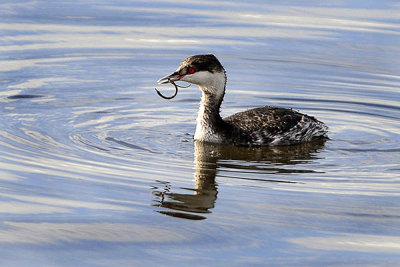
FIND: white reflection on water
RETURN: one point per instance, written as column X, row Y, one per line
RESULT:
column 18, row 64
column 296, row 23
column 39, row 82
column 41, row 233
column 66, row 36
column 66, row 203
column 351, row 242
column 11, row 207
column 281, row 17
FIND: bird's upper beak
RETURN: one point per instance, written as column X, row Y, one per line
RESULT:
column 170, row 78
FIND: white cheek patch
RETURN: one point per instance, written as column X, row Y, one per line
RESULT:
column 199, row 78
column 211, row 83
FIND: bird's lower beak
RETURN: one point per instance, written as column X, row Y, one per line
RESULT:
column 170, row 78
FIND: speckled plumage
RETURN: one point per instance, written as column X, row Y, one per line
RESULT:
column 276, row 126
column 255, row 127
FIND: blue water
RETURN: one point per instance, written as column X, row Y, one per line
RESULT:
column 97, row 170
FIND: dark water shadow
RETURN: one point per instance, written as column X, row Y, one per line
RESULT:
column 126, row 144
column 16, row 97
column 209, row 158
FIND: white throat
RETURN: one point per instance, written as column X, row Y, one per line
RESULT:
column 208, row 117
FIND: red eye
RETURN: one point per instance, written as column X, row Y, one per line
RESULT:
column 191, row 70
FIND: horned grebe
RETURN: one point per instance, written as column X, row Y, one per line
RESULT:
column 255, row 127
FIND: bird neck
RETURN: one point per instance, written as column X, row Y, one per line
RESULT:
column 208, row 119
column 209, row 109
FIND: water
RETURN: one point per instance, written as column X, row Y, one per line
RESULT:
column 97, row 170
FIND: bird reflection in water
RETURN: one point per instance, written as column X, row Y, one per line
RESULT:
column 211, row 157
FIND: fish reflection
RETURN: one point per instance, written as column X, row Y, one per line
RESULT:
column 211, row 157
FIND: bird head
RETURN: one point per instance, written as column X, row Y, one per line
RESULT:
column 204, row 70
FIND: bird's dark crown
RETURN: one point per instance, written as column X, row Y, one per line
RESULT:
column 203, row 63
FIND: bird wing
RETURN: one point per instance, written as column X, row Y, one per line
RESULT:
column 273, row 120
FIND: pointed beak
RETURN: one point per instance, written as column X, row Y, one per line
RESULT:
column 170, row 78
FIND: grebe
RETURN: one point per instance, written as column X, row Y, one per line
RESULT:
column 261, row 126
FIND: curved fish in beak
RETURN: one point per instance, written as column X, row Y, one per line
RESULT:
column 170, row 78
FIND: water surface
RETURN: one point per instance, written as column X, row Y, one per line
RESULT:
column 97, row 170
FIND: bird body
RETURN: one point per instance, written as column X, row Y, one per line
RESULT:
column 255, row 127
